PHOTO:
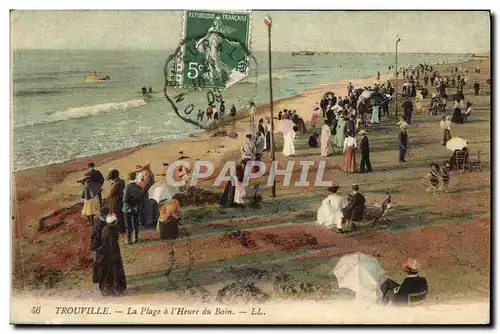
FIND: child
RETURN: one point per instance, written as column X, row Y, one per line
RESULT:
column 433, row 177
column 445, row 176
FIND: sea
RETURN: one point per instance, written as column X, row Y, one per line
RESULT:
column 57, row 116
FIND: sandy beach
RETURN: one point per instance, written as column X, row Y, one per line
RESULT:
column 442, row 239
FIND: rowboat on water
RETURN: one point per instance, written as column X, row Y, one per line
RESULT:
column 96, row 78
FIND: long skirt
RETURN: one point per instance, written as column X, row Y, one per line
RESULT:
column 91, row 207
column 268, row 141
column 348, row 163
column 326, row 147
column 239, row 193
column 288, row 145
column 227, row 198
column 314, row 119
column 375, row 115
column 446, row 136
column 112, row 279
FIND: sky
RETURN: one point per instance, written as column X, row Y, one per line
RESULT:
column 335, row 31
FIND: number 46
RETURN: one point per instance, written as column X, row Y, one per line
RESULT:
column 36, row 310
column 195, row 68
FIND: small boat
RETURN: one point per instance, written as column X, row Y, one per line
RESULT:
column 96, row 78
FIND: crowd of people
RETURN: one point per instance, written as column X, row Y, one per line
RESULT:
column 342, row 119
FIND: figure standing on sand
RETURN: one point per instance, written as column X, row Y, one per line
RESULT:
column 326, row 142
column 234, row 190
column 90, row 196
column 445, row 125
column 365, row 153
column 348, row 163
column 133, row 197
column 112, row 281
column 96, row 241
column 408, row 110
column 315, row 117
column 340, row 134
column 114, row 201
column 252, row 116
column 402, row 142
column 97, row 177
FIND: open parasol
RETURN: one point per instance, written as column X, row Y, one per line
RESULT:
column 162, row 191
column 456, row 143
column 358, row 272
column 285, row 125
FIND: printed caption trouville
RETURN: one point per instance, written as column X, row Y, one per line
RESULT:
column 153, row 312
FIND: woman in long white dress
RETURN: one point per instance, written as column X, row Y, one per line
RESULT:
column 330, row 212
column 288, row 143
column 326, row 144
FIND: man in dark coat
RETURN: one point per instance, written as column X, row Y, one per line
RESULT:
column 260, row 128
column 227, row 198
column 97, row 177
column 323, row 104
column 476, row 88
column 414, row 287
column 402, row 143
column 114, row 201
column 330, row 115
column 133, row 197
column 350, row 126
column 96, row 241
column 111, row 275
column 408, row 110
column 365, row 152
column 355, row 209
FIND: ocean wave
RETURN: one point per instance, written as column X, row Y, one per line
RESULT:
column 87, row 111
column 36, row 92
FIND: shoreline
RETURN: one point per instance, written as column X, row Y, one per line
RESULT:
column 107, row 155
column 41, row 181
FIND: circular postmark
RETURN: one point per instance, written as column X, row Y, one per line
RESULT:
column 211, row 67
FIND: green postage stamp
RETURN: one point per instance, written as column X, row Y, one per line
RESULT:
column 215, row 51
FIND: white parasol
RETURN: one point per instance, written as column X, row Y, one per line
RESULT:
column 456, row 143
column 360, row 273
column 162, row 191
column 367, row 94
column 285, row 125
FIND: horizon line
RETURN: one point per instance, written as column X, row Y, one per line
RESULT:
column 173, row 48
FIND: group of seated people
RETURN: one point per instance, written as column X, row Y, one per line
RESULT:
column 461, row 111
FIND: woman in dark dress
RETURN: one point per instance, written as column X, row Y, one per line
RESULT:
column 96, row 241
column 112, row 279
column 457, row 116
column 227, row 199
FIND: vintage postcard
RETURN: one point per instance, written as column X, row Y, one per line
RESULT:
column 250, row 167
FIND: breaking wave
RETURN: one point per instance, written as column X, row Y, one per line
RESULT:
column 82, row 112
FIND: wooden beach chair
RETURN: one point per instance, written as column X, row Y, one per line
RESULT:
column 462, row 162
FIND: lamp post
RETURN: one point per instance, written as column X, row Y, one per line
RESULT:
column 267, row 21
column 396, row 73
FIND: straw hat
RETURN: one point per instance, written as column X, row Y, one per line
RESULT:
column 403, row 125
column 411, row 266
column 333, row 189
column 362, row 132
